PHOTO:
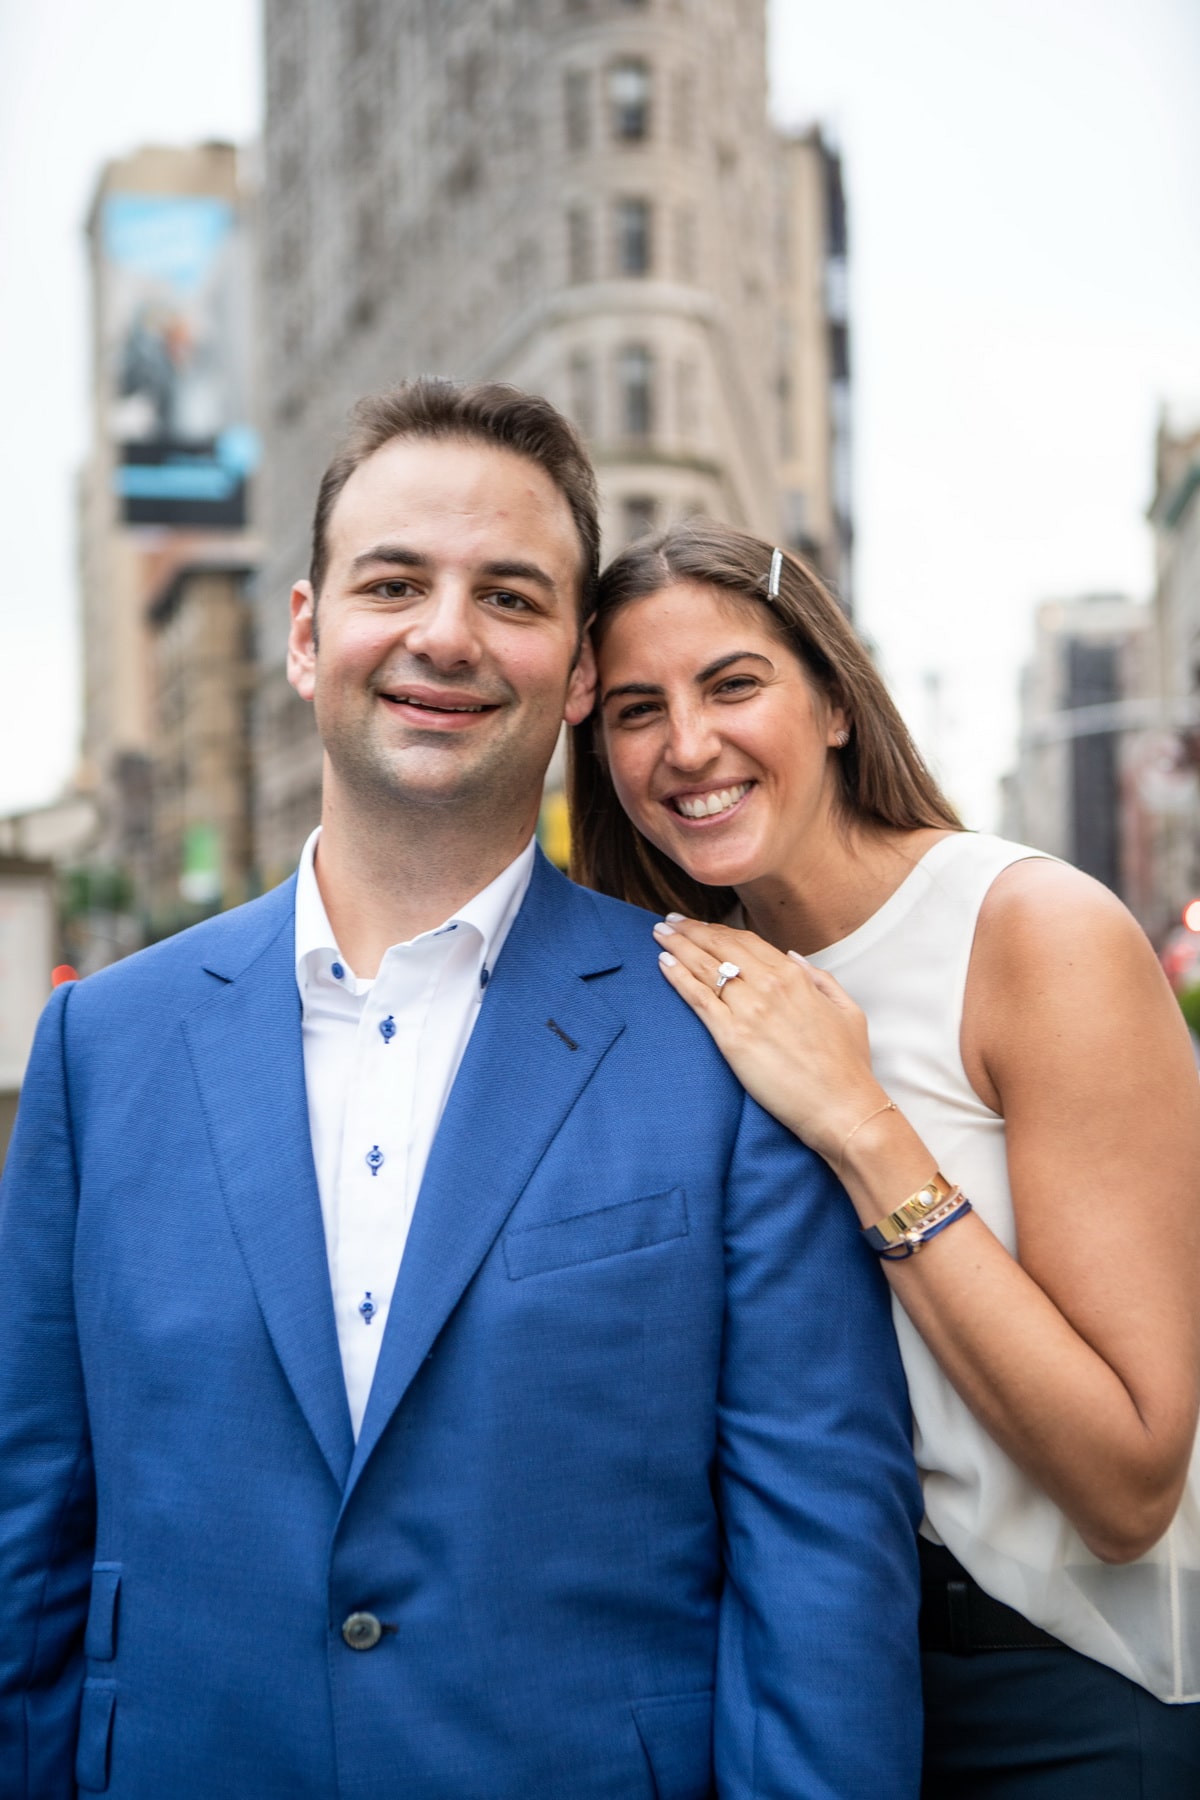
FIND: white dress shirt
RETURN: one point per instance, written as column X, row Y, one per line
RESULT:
column 380, row 1059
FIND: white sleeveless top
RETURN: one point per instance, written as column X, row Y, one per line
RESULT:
column 907, row 968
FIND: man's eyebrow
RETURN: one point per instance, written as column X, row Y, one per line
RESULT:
column 395, row 554
column 702, row 675
column 519, row 571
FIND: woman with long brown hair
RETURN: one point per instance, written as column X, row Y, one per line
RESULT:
column 979, row 1041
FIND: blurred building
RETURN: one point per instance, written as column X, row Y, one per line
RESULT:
column 814, row 357
column 166, row 487
column 1083, row 707
column 583, row 197
column 28, row 937
column 1174, row 761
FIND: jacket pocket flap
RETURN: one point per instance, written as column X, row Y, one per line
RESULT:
column 613, row 1230
column 676, row 1735
column 100, row 1638
column 95, row 1735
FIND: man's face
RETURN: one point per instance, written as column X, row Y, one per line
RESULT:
column 445, row 658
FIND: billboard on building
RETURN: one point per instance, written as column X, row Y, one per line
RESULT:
column 177, row 301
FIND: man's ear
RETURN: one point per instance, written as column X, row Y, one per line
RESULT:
column 302, row 640
column 581, row 689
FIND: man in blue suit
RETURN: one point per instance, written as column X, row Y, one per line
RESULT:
column 582, row 1476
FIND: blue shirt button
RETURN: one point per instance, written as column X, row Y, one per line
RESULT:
column 337, row 971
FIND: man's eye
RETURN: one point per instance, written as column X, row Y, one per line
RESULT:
column 508, row 601
column 395, row 589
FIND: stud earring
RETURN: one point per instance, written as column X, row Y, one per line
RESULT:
column 841, row 738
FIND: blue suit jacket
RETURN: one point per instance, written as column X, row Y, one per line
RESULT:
column 633, row 1497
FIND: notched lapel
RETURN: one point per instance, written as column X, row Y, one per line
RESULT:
column 542, row 1032
column 248, row 1061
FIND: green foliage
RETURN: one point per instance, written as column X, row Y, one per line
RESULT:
column 1189, row 1006
column 101, row 888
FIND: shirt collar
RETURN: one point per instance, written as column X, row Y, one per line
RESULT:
column 490, row 912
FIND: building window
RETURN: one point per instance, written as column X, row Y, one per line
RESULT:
column 633, row 237
column 635, row 378
column 579, row 245
column 685, row 244
column 629, row 101
column 639, row 516
column 577, row 104
column 581, row 390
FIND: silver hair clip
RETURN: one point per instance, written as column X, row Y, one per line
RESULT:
column 776, row 572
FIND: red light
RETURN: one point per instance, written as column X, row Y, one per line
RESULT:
column 64, row 972
column 1191, row 915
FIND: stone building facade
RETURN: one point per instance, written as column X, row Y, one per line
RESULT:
column 583, row 197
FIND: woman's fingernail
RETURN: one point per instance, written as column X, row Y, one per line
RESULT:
column 663, row 930
column 666, row 959
column 675, row 918
column 796, row 956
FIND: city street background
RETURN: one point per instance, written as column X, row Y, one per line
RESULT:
column 1023, row 183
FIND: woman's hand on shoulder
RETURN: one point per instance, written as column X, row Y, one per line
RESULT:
column 791, row 1034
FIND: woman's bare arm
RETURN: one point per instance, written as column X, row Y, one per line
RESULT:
column 1082, row 1360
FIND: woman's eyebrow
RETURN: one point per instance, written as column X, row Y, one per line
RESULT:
column 702, row 675
column 723, row 662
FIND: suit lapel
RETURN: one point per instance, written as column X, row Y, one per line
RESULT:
column 541, row 1033
column 247, row 1055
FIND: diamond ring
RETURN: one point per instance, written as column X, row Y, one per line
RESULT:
column 726, row 971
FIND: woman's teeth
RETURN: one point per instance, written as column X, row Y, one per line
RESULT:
column 704, row 806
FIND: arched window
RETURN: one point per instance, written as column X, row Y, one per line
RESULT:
column 635, row 380
column 629, row 101
column 632, row 218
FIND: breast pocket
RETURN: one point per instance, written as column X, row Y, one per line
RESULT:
column 586, row 1237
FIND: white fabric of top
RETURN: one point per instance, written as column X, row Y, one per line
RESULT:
column 380, row 1094
column 907, row 968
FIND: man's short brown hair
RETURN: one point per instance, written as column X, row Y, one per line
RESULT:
column 490, row 412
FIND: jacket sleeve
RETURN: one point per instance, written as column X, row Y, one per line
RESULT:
column 47, row 1502
column 818, row 1677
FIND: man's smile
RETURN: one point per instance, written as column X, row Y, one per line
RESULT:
column 428, row 707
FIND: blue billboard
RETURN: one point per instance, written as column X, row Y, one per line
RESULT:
column 177, row 304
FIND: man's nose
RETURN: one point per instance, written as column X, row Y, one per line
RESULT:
column 444, row 628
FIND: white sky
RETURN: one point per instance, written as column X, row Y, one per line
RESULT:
column 1024, row 185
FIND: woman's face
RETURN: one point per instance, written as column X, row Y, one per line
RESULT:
column 717, row 739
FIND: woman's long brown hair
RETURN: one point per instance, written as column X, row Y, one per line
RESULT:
column 882, row 780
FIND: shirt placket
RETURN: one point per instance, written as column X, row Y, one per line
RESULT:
column 375, row 1198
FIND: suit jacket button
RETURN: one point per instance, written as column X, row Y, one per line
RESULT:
column 362, row 1631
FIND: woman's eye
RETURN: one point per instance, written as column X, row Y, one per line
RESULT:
column 637, row 712
column 734, row 686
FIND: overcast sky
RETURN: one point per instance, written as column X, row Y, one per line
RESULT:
column 1024, row 189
